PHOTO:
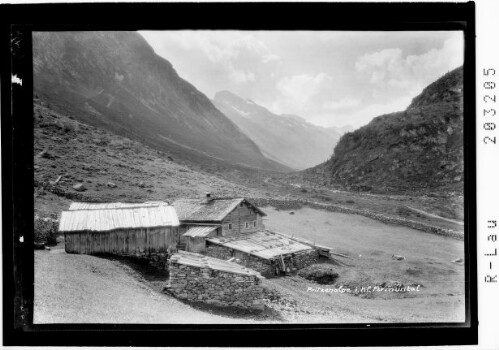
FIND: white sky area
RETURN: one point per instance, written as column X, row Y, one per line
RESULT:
column 328, row 78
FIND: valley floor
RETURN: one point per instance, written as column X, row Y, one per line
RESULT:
column 86, row 289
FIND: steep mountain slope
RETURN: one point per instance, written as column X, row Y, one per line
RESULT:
column 115, row 81
column 105, row 167
column 287, row 139
column 419, row 149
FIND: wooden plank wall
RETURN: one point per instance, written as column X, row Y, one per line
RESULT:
column 238, row 217
column 123, row 242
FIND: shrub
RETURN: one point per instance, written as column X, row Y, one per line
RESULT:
column 320, row 273
column 45, row 231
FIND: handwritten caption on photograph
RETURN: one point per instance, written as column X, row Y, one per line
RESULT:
column 365, row 289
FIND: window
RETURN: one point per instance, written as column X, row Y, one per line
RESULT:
column 246, row 224
column 254, row 223
column 229, row 226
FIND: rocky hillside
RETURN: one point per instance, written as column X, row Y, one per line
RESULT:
column 287, row 139
column 78, row 162
column 115, row 81
column 418, row 150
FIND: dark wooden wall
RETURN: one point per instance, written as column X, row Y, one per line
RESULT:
column 139, row 242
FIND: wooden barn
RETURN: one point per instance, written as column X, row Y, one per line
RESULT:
column 143, row 229
column 215, row 217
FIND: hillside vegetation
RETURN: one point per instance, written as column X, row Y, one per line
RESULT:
column 78, row 162
column 416, row 150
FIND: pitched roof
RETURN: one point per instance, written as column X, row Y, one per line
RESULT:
column 117, row 205
column 214, row 210
column 263, row 244
column 203, row 261
column 200, row 231
column 97, row 218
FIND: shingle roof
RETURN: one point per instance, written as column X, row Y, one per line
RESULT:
column 214, row 210
column 200, row 231
column 263, row 244
column 203, row 261
column 95, row 217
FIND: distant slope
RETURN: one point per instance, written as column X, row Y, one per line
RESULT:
column 287, row 139
column 115, row 81
column 419, row 149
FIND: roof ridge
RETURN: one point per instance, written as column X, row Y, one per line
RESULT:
column 120, row 208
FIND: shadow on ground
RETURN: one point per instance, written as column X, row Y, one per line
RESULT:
column 157, row 278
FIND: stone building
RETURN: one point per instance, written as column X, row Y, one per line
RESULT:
column 198, row 278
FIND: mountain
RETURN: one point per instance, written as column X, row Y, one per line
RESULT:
column 341, row 129
column 115, row 81
column 419, row 149
column 287, row 139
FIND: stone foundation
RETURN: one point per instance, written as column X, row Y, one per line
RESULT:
column 217, row 251
column 219, row 288
column 266, row 268
column 305, row 258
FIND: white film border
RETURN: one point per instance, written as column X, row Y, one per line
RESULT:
column 487, row 131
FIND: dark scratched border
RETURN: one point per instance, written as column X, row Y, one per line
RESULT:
column 17, row 23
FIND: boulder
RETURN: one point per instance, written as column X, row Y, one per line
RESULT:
column 79, row 187
column 45, row 154
column 111, row 184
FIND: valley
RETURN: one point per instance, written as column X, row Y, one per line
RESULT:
column 114, row 122
column 114, row 168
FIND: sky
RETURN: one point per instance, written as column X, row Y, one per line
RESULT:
column 329, row 78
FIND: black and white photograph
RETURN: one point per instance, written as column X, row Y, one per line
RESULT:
column 209, row 176
column 245, row 174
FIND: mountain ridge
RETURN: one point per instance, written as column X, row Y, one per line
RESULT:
column 419, row 149
column 115, row 81
column 288, row 139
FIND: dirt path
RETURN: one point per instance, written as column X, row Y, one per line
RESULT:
column 422, row 212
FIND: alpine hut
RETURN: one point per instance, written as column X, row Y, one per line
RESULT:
column 232, row 229
column 148, row 229
column 214, row 217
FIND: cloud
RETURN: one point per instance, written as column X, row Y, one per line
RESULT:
column 239, row 76
column 313, row 97
column 299, row 91
column 359, row 115
column 344, row 103
column 390, row 69
column 234, row 52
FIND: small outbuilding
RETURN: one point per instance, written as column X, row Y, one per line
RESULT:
column 198, row 278
column 148, row 229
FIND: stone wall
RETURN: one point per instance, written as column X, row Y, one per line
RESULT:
column 217, row 251
column 297, row 204
column 305, row 258
column 266, row 267
column 218, row 288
